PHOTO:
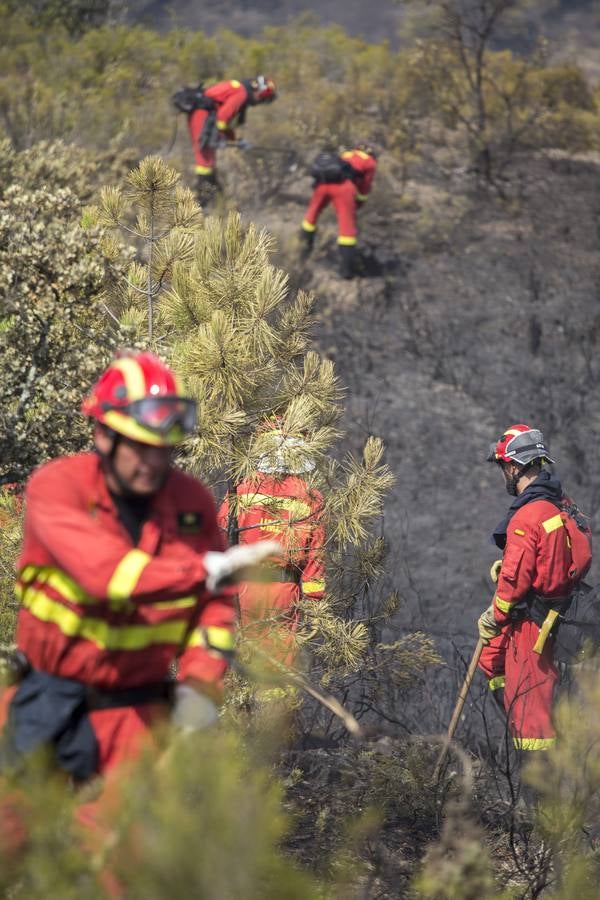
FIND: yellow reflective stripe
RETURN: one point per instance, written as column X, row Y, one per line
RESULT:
column 127, row 426
column 312, row 587
column 133, row 375
column 503, row 605
column 223, row 126
column 307, row 226
column 127, row 574
column 552, row 524
column 234, row 83
column 545, row 630
column 346, row 241
column 520, row 532
column 361, row 196
column 297, row 508
column 204, row 170
column 99, row 632
column 182, row 603
column 534, row 743
column 212, row 637
column 498, row 681
column 57, row 580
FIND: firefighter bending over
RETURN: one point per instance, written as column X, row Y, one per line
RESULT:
column 546, row 552
column 218, row 111
column 344, row 181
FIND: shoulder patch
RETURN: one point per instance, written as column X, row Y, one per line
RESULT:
column 189, row 522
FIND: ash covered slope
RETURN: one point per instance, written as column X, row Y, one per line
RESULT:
column 483, row 313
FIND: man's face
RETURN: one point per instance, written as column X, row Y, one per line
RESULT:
column 135, row 468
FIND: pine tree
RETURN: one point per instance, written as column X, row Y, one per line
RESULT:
column 217, row 308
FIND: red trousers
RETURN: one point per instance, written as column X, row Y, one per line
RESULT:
column 343, row 197
column 205, row 158
column 528, row 679
column 122, row 734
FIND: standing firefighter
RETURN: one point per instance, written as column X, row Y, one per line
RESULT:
column 119, row 576
column 345, row 181
column 277, row 503
column 212, row 119
column 546, row 551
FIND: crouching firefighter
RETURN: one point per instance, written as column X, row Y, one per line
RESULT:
column 121, row 574
column 546, row 546
column 345, row 181
column 213, row 115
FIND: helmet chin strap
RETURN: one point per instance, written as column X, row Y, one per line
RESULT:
column 513, row 481
column 108, row 461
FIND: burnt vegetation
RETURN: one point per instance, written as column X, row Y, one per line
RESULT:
column 476, row 304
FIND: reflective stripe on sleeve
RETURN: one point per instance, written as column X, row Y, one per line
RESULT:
column 345, row 241
column 204, row 170
column 503, row 605
column 362, row 197
column 498, row 681
column 127, row 574
column 552, row 524
column 534, row 743
column 212, row 637
column 55, row 579
column 222, row 126
column 308, row 226
column 313, row 587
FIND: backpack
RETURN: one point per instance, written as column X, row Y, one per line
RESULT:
column 578, row 632
column 579, row 536
column 329, row 168
column 188, row 99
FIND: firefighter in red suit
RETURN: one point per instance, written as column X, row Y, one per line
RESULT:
column 120, row 574
column 347, row 197
column 277, row 503
column 544, row 556
column 226, row 103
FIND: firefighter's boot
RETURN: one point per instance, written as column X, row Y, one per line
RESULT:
column 208, row 189
column 307, row 242
column 347, row 261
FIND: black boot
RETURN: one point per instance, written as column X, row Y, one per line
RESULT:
column 307, row 242
column 208, row 188
column 347, row 261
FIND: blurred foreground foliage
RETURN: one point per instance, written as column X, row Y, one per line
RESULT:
column 204, row 820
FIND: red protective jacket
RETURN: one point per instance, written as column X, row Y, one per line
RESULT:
column 284, row 509
column 537, row 558
column 230, row 98
column 364, row 165
column 101, row 611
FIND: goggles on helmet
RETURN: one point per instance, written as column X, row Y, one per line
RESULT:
column 162, row 414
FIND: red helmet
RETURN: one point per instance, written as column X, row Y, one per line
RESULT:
column 265, row 89
column 519, row 444
column 139, row 396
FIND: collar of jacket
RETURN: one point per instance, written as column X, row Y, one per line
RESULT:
column 163, row 512
column 545, row 487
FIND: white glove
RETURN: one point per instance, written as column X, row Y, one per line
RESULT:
column 192, row 710
column 239, row 563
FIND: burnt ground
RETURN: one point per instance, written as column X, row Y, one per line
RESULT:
column 474, row 311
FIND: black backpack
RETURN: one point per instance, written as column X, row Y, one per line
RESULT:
column 330, row 168
column 189, row 99
column 579, row 631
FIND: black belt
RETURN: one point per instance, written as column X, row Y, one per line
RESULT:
column 161, row 692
